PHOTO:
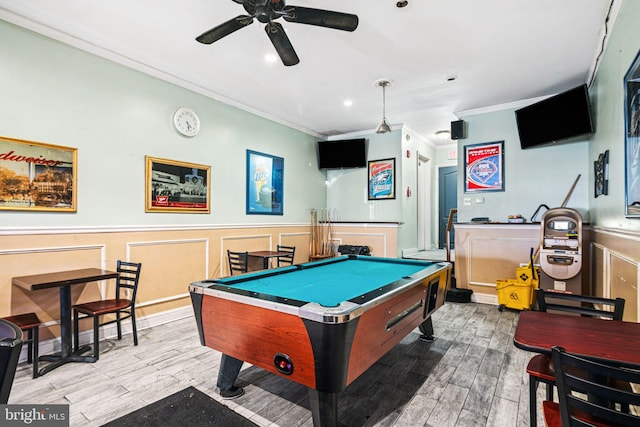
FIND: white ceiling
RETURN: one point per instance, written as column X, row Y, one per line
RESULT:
column 501, row 51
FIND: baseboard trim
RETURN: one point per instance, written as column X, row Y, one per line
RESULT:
column 484, row 298
column 410, row 251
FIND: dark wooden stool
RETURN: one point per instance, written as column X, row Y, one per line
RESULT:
column 29, row 323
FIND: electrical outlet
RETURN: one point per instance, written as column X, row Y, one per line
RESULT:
column 467, row 201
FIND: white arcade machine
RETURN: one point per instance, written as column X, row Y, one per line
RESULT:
column 561, row 250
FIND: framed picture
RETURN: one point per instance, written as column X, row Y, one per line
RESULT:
column 382, row 179
column 484, row 167
column 601, row 174
column 632, row 139
column 177, row 187
column 35, row 176
column 265, row 178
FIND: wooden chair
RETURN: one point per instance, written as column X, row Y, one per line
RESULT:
column 123, row 308
column 540, row 367
column 286, row 259
column 10, row 346
column 238, row 261
column 29, row 323
column 586, row 395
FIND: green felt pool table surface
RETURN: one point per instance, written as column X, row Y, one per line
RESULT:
column 329, row 282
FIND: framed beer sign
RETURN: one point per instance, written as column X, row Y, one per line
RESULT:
column 173, row 186
column 484, row 167
column 265, row 180
column 36, row 176
column 381, row 179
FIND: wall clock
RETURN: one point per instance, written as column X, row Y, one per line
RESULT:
column 186, row 121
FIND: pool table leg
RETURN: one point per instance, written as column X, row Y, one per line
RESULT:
column 229, row 370
column 426, row 328
column 324, row 408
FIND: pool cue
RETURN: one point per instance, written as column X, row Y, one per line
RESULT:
column 329, row 246
column 312, row 236
column 566, row 199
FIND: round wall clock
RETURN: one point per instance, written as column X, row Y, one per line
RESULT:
column 186, row 121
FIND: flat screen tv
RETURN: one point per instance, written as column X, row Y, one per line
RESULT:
column 559, row 117
column 348, row 153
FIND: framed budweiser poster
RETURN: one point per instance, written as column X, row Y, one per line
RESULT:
column 35, row 176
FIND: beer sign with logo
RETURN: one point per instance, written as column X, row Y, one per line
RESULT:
column 174, row 186
column 36, row 176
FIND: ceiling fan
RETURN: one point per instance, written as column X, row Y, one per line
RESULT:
column 266, row 11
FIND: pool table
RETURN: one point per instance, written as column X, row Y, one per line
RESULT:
column 320, row 324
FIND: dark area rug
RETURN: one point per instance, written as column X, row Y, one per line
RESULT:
column 188, row 407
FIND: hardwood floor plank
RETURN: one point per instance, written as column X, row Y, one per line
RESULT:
column 504, row 413
column 449, row 406
column 471, row 419
column 417, row 412
column 481, row 395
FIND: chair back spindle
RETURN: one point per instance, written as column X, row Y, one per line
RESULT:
column 585, row 391
column 580, row 304
column 238, row 262
column 286, row 259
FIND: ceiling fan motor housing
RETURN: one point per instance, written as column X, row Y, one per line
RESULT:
column 267, row 11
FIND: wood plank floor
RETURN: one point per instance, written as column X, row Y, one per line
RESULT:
column 470, row 375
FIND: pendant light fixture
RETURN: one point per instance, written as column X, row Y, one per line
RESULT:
column 383, row 127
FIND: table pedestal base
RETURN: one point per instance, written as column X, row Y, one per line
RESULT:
column 59, row 360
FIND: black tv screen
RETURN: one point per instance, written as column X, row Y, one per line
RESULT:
column 559, row 117
column 348, row 153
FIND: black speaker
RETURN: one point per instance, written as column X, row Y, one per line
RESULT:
column 457, row 130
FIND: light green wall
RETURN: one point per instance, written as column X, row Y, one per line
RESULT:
column 608, row 101
column 115, row 116
column 545, row 174
column 347, row 188
column 532, row 177
column 415, row 145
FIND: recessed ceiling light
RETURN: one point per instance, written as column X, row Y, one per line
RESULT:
column 402, row 3
column 347, row 103
column 451, row 78
column 443, row 134
column 270, row 58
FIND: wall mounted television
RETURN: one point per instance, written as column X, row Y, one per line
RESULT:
column 562, row 116
column 347, row 153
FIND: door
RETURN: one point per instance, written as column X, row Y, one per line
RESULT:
column 447, row 200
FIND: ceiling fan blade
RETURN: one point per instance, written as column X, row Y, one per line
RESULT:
column 321, row 18
column 281, row 43
column 224, row 29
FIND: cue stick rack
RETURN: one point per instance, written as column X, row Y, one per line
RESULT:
column 321, row 234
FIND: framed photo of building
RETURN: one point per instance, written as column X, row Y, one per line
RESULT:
column 265, row 180
column 632, row 139
column 484, row 167
column 381, row 179
column 36, row 176
column 179, row 187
